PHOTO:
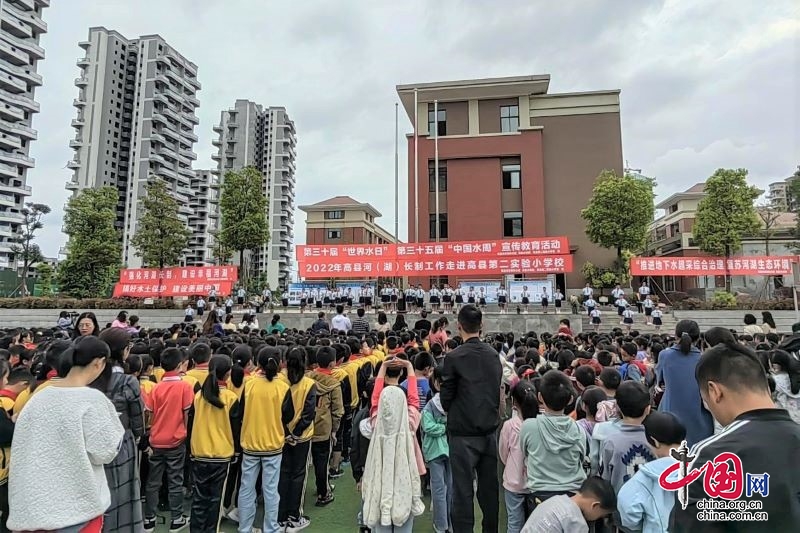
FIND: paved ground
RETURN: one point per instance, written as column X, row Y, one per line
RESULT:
column 340, row 516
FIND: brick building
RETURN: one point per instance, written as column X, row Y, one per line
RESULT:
column 343, row 220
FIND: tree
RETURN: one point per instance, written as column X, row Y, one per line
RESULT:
column 219, row 251
column 599, row 278
column 23, row 247
column 726, row 213
column 620, row 212
column 45, row 274
column 161, row 236
column 94, row 250
column 243, row 206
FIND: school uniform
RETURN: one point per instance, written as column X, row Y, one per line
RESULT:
column 558, row 297
column 618, row 293
column 188, row 315
column 201, row 306
column 285, row 299
column 393, row 295
column 590, row 305
column 471, row 297
column 482, row 299
column 587, row 293
column 526, row 298
column 545, row 301
column 459, row 295
column 447, row 296
column 326, row 297
column 240, row 296
column 627, row 317
column 368, row 299
column 303, row 299
column 215, row 435
column 595, row 314
column 385, row 298
column 349, row 298
column 228, row 306
column 502, row 297
column 656, row 316
column 621, row 304
column 648, row 306
column 435, row 296
column 318, row 299
column 420, row 294
column 212, row 296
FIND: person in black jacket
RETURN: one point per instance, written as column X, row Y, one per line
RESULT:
column 734, row 387
column 470, row 393
column 320, row 325
column 359, row 446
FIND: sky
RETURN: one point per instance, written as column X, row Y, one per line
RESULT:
column 703, row 84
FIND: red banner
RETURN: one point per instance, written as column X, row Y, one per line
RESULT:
column 712, row 266
column 355, row 267
column 211, row 274
column 169, row 288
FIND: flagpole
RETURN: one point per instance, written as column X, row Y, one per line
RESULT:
column 396, row 174
column 416, row 168
column 436, row 163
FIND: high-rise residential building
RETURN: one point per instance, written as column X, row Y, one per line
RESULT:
column 22, row 27
column 264, row 138
column 136, row 116
column 203, row 219
column 514, row 161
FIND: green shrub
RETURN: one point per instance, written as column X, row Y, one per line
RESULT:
column 723, row 300
column 57, row 302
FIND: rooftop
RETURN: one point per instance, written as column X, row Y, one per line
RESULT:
column 696, row 191
column 341, row 202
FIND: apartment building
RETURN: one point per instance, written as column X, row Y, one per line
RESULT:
column 21, row 28
column 204, row 218
column 343, row 220
column 265, row 138
column 136, row 114
column 514, row 161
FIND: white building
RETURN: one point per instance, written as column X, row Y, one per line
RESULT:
column 21, row 28
column 265, row 138
column 136, row 113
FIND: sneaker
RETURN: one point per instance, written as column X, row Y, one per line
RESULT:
column 335, row 474
column 322, row 501
column 179, row 524
column 149, row 524
column 297, row 524
column 232, row 514
column 282, row 526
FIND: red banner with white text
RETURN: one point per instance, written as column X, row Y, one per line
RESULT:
column 175, row 281
column 712, row 266
column 511, row 256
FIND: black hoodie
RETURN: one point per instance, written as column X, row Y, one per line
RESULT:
column 766, row 441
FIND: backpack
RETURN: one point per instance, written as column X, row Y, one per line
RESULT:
column 623, row 369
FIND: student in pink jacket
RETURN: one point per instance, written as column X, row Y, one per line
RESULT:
column 511, row 454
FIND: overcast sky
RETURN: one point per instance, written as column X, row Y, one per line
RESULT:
column 704, row 84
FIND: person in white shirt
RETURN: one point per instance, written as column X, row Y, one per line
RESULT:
column 502, row 298
column 349, row 297
column 590, row 304
column 327, row 298
column 459, row 294
column 588, row 291
column 420, row 295
column 392, row 298
column 229, row 305
column 482, row 297
column 525, row 298
column 318, row 295
column 285, row 300
column 544, row 299
column 340, row 322
column 644, row 290
column 240, row 295
column 627, row 319
column 617, row 293
column 188, row 314
column 471, row 295
column 621, row 304
column 212, row 297
column 595, row 315
column 656, row 316
column 303, row 300
column 648, row 308
column 447, row 298
column 435, row 297
column 558, row 297
column 267, row 295
column 411, row 299
column 201, row 306
column 370, row 299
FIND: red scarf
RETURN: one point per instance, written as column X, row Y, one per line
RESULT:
column 5, row 393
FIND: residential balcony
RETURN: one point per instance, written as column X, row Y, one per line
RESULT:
column 72, row 185
column 16, row 158
column 11, row 112
column 216, row 142
column 9, row 142
column 191, row 117
column 24, row 190
column 76, row 143
column 8, row 200
column 217, row 128
column 77, row 122
column 15, row 25
column 28, row 17
column 8, row 216
column 82, row 81
column 77, row 102
column 12, row 83
column 28, row 46
column 20, row 100
column 12, row 54
column 83, row 61
column 216, row 157
column 72, row 163
column 190, row 135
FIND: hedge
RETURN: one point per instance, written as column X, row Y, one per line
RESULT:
column 87, row 303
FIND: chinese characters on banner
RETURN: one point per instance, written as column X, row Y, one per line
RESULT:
column 712, row 266
column 517, row 256
column 177, row 281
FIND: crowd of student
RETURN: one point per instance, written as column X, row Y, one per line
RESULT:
column 583, row 424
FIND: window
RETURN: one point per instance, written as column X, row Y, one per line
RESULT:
column 334, row 234
column 442, row 225
column 441, row 121
column 334, row 215
column 509, row 118
column 442, row 176
column 511, row 177
column 512, row 224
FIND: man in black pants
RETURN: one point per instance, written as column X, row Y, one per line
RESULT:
column 471, row 391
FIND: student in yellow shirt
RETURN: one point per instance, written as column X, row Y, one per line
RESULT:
column 268, row 409
column 294, row 465
column 215, row 433
column 200, row 353
column 47, row 372
column 18, row 380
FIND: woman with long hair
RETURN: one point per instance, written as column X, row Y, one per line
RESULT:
column 125, row 512
column 768, row 323
column 439, row 333
column 383, row 323
column 786, row 372
column 215, row 434
column 211, row 326
column 676, row 366
column 400, row 323
column 121, row 321
column 78, row 429
column 298, row 442
column 268, row 408
column 275, row 325
column 391, row 489
column 87, row 325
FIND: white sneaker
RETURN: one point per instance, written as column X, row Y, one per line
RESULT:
column 297, row 524
column 232, row 514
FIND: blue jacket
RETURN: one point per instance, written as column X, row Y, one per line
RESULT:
column 681, row 393
column 642, row 504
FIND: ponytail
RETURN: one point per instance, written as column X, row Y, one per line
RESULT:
column 269, row 360
column 218, row 370
column 296, row 364
column 687, row 332
column 685, row 343
column 241, row 355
